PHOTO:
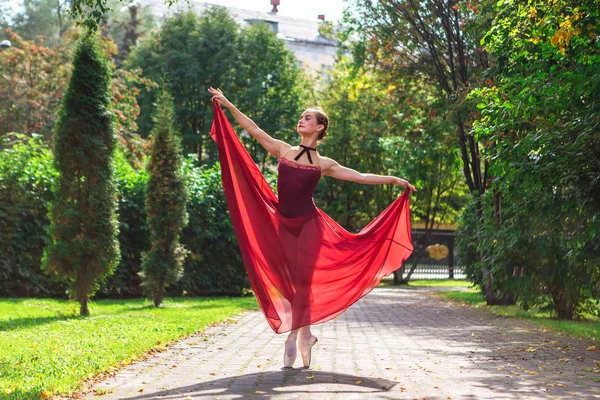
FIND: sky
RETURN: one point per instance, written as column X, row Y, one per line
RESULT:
column 303, row 9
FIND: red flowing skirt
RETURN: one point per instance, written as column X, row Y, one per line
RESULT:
column 308, row 269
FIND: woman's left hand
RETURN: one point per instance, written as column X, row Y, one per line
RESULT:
column 405, row 183
column 219, row 97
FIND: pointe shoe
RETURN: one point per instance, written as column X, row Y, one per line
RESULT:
column 289, row 357
column 306, row 349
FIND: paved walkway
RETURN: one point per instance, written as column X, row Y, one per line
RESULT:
column 393, row 344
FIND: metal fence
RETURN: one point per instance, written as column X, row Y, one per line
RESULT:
column 435, row 256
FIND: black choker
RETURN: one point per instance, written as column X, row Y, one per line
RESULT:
column 305, row 150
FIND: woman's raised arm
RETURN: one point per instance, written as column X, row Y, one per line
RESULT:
column 274, row 146
column 335, row 170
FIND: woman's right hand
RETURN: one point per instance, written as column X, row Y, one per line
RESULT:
column 219, row 97
column 404, row 183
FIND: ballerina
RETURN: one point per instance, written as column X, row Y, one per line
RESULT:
column 304, row 268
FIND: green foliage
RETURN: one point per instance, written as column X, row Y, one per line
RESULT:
column 165, row 204
column 26, row 177
column 270, row 87
column 36, row 77
column 540, row 115
column 467, row 250
column 46, row 350
column 191, row 53
column 397, row 129
column 361, row 111
column 252, row 67
column 214, row 265
column 488, row 258
column 133, row 231
column 84, row 224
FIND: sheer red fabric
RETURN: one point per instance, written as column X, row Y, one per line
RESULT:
column 304, row 267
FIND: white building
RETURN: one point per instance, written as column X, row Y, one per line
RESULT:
column 314, row 52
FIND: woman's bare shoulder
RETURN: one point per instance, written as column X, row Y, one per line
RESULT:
column 327, row 163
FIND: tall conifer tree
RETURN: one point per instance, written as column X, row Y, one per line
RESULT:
column 165, row 204
column 84, row 225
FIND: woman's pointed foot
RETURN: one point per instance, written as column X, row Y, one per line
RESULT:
column 306, row 350
column 289, row 357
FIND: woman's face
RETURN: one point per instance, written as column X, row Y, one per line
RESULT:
column 308, row 125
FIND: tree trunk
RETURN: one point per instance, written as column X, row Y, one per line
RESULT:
column 415, row 263
column 83, row 309
column 398, row 275
column 159, row 294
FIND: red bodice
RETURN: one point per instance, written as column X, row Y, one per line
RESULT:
column 296, row 184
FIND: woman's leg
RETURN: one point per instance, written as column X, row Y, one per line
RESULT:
column 306, row 341
column 289, row 356
column 305, row 333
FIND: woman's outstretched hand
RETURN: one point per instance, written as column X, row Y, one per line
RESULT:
column 406, row 184
column 219, row 97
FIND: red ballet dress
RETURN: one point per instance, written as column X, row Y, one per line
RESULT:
column 303, row 266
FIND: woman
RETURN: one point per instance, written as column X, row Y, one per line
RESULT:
column 303, row 266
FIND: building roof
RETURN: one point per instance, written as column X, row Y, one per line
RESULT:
column 288, row 28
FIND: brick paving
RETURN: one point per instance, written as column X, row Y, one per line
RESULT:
column 393, row 344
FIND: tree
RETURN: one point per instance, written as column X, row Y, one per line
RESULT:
column 126, row 24
column 540, row 115
column 423, row 149
column 84, row 224
column 361, row 111
column 165, row 204
column 194, row 52
column 270, row 87
column 191, row 54
column 34, row 79
column 438, row 40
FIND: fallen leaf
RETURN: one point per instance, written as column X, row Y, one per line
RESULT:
column 592, row 348
column 259, row 366
column 358, row 382
column 141, row 390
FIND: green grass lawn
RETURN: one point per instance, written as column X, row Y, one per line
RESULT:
column 46, row 349
column 587, row 329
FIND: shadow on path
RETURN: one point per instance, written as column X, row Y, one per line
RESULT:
column 268, row 384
